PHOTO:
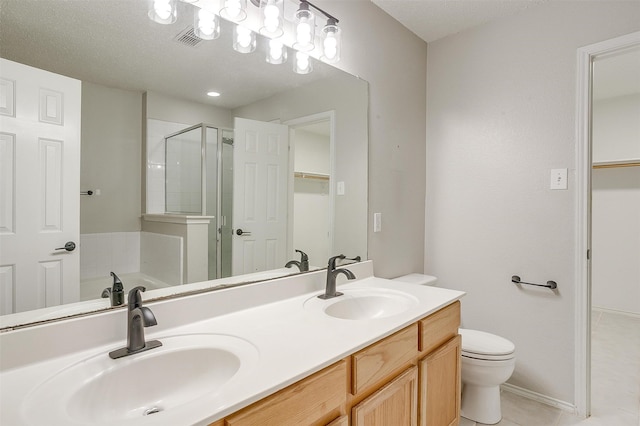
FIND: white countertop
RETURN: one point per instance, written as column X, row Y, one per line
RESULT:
column 292, row 342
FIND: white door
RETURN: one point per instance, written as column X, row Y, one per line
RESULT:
column 260, row 196
column 39, row 188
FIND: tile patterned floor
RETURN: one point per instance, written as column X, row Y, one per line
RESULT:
column 615, row 381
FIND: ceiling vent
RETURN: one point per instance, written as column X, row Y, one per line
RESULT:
column 188, row 37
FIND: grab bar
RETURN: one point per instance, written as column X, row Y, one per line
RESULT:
column 550, row 284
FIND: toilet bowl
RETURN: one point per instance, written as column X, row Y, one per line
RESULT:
column 487, row 362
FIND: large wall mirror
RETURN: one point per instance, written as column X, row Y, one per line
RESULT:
column 162, row 182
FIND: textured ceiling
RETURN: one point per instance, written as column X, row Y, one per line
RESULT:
column 113, row 43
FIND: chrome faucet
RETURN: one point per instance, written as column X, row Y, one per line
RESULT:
column 303, row 265
column 138, row 317
column 332, row 273
column 116, row 292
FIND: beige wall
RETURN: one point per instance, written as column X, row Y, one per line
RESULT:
column 110, row 159
column 501, row 114
column 393, row 60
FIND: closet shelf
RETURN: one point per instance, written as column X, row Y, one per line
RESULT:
column 615, row 164
column 309, row 175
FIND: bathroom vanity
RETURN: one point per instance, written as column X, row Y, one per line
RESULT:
column 266, row 353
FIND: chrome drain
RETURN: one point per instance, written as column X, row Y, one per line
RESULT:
column 152, row 410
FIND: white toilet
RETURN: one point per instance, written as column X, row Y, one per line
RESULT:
column 487, row 362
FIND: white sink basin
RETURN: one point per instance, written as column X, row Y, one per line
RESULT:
column 364, row 304
column 101, row 390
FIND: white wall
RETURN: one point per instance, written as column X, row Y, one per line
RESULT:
column 616, row 128
column 615, row 267
column 501, row 113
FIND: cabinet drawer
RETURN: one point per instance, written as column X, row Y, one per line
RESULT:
column 381, row 360
column 314, row 400
column 439, row 327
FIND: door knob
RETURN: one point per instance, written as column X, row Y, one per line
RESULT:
column 70, row 246
column 241, row 232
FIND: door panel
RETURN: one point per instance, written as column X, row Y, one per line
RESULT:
column 261, row 158
column 40, row 189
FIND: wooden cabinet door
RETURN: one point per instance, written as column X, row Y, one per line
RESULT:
column 340, row 421
column 440, row 385
column 395, row 404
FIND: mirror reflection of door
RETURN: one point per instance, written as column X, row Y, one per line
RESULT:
column 260, row 199
column 39, row 188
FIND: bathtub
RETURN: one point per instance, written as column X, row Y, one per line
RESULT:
column 92, row 288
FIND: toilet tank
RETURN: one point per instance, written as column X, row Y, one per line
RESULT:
column 419, row 279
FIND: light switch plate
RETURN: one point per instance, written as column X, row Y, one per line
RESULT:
column 340, row 188
column 558, row 179
column 377, row 222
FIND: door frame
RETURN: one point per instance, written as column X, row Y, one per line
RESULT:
column 585, row 59
column 300, row 122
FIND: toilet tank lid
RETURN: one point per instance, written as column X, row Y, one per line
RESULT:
column 483, row 343
column 420, row 279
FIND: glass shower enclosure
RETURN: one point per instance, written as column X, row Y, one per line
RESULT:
column 199, row 182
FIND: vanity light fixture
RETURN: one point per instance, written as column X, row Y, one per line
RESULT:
column 305, row 24
column 302, row 64
column 272, row 12
column 244, row 40
column 206, row 24
column 234, row 10
column 277, row 52
column 163, row 11
column 331, row 42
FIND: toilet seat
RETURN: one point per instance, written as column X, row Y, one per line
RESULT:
column 485, row 346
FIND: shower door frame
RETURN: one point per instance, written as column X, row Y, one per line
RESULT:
column 217, row 215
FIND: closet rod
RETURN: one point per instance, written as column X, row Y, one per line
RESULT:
column 305, row 175
column 616, row 165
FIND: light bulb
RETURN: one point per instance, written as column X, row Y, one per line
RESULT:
column 162, row 8
column 275, row 49
column 303, row 32
column 244, row 40
column 331, row 42
column 330, row 47
column 271, row 18
column 305, row 28
column 162, row 11
column 233, row 8
column 206, row 23
column 277, row 53
column 302, row 64
column 244, row 37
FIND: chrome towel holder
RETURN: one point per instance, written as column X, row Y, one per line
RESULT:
column 550, row 284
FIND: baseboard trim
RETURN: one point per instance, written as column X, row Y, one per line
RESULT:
column 615, row 311
column 544, row 399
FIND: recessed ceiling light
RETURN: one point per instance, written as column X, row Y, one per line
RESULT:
column 213, row 94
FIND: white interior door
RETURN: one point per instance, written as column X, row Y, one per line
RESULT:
column 39, row 188
column 260, row 196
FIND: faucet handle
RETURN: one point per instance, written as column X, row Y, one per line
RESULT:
column 135, row 298
column 332, row 261
column 303, row 256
